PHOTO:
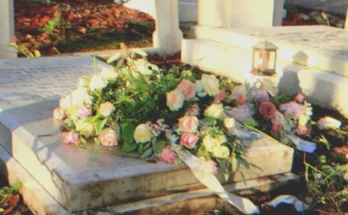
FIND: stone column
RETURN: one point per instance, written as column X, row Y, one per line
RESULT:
column 346, row 24
column 7, row 29
column 235, row 13
column 167, row 35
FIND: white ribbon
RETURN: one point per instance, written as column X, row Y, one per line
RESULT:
column 288, row 199
column 210, row 181
column 303, row 145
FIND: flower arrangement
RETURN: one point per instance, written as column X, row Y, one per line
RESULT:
column 144, row 109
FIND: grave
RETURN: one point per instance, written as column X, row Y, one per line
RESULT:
column 61, row 179
column 312, row 60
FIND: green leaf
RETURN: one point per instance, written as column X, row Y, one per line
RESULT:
column 158, row 145
column 128, row 131
column 139, row 52
column 99, row 125
column 234, row 163
column 114, row 57
column 147, row 153
column 227, row 175
column 141, row 149
column 128, row 140
column 129, row 146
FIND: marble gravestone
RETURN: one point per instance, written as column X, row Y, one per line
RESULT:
column 79, row 180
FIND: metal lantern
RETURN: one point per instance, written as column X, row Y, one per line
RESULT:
column 264, row 58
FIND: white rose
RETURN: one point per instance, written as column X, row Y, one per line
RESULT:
column 210, row 143
column 229, row 123
column 97, row 83
column 83, row 82
column 221, row 152
column 108, row 74
column 144, row 67
column 175, row 100
column 80, row 96
column 142, row 133
column 215, row 111
column 65, row 102
column 328, row 122
column 106, row 109
column 211, row 84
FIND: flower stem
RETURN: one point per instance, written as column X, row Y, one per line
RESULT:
column 260, row 132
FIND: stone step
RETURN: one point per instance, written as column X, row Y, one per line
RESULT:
column 320, row 87
column 320, row 47
column 79, row 179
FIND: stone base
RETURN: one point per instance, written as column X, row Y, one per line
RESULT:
column 79, row 179
column 41, row 202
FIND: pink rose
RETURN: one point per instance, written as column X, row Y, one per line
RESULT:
column 221, row 96
column 241, row 98
column 189, row 140
column 299, row 98
column 83, row 111
column 188, row 124
column 277, row 127
column 167, row 156
column 193, row 110
column 267, row 110
column 109, row 137
column 70, row 137
column 187, row 88
column 59, row 114
column 301, row 130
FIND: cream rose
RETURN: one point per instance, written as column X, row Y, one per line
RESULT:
column 188, row 124
column 221, row 152
column 211, row 84
column 59, row 114
column 109, row 137
column 215, row 111
column 210, row 143
column 86, row 129
column 175, row 100
column 229, row 123
column 142, row 133
column 97, row 83
column 108, row 74
column 106, row 109
column 187, row 88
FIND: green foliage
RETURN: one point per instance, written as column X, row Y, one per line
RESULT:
column 7, row 192
column 52, row 24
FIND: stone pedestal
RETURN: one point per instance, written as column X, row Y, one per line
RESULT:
column 235, row 13
column 7, row 29
column 167, row 35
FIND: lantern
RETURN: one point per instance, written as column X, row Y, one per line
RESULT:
column 264, row 58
